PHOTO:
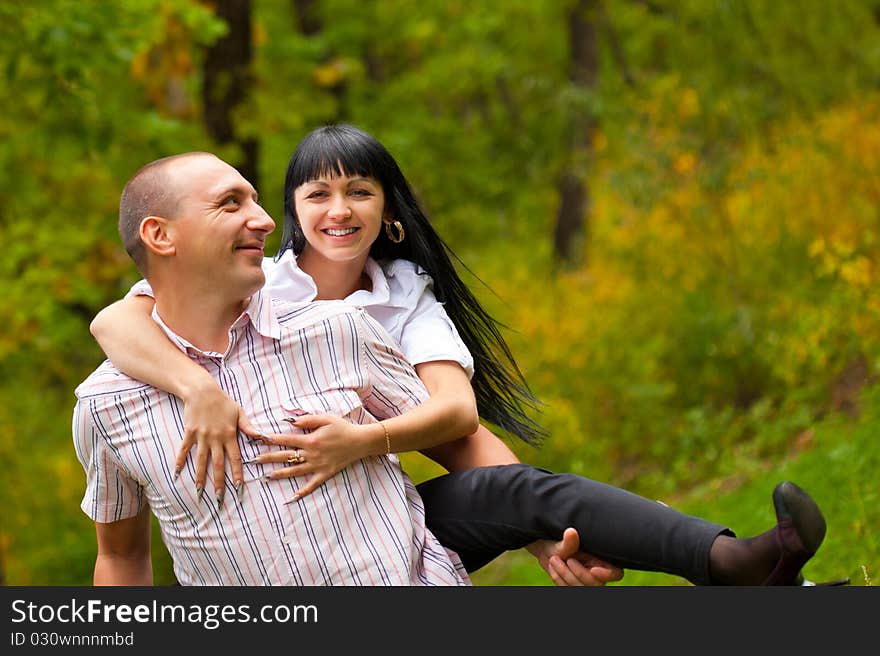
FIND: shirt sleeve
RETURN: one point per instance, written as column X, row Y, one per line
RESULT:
column 393, row 385
column 427, row 334
column 140, row 288
column 111, row 494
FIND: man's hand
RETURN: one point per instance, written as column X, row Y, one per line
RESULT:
column 568, row 566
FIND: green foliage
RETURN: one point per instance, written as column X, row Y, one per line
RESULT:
column 727, row 313
column 725, row 317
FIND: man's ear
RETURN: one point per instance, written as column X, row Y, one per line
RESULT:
column 155, row 236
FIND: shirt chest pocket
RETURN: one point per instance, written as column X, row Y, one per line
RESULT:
column 337, row 402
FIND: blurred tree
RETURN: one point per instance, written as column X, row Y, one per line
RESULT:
column 228, row 82
column 328, row 73
column 574, row 192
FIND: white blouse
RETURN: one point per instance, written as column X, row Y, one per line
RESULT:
column 402, row 300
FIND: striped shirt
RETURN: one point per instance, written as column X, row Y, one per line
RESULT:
column 365, row 526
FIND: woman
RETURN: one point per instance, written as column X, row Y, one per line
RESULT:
column 354, row 230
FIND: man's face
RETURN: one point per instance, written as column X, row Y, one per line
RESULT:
column 220, row 229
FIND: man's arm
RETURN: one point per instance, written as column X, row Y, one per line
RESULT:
column 124, row 551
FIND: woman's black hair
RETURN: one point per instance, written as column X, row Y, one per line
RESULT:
column 502, row 394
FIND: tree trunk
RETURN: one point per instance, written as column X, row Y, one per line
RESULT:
column 228, row 81
column 308, row 21
column 572, row 219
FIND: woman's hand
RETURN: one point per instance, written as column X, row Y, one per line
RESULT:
column 212, row 421
column 332, row 445
column 568, row 566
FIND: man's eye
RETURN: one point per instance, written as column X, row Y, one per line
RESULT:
column 230, row 200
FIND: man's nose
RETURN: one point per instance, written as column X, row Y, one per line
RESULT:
column 260, row 220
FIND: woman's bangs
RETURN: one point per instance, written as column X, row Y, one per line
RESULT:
column 330, row 160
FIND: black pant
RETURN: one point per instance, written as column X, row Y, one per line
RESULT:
column 481, row 513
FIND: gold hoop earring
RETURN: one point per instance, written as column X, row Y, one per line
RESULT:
column 397, row 234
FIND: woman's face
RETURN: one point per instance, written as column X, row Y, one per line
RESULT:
column 340, row 216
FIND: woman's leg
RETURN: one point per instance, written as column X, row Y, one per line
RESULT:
column 482, row 512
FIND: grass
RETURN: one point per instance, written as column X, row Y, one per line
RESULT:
column 839, row 468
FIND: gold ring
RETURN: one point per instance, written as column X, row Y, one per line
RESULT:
column 296, row 458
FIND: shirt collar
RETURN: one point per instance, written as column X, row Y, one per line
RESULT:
column 290, row 281
column 258, row 313
column 380, row 294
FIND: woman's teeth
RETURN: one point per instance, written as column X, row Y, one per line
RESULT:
column 340, row 232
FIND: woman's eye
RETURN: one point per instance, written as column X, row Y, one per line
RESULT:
column 316, row 195
column 361, row 192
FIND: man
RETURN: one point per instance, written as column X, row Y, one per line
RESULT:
column 195, row 229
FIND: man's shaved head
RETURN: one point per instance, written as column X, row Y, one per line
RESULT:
column 152, row 191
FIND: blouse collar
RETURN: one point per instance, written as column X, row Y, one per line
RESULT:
column 300, row 285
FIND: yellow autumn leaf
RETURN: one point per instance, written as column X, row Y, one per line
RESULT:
column 689, row 104
column 817, row 247
column 685, row 163
column 857, row 272
column 328, row 75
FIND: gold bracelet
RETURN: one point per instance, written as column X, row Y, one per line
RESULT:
column 387, row 438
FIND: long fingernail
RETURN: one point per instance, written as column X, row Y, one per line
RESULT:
column 239, row 490
column 267, row 477
column 251, row 461
column 220, row 495
column 289, row 420
column 177, row 471
column 200, row 491
column 295, row 497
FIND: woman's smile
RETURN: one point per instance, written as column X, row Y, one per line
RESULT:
column 340, row 232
